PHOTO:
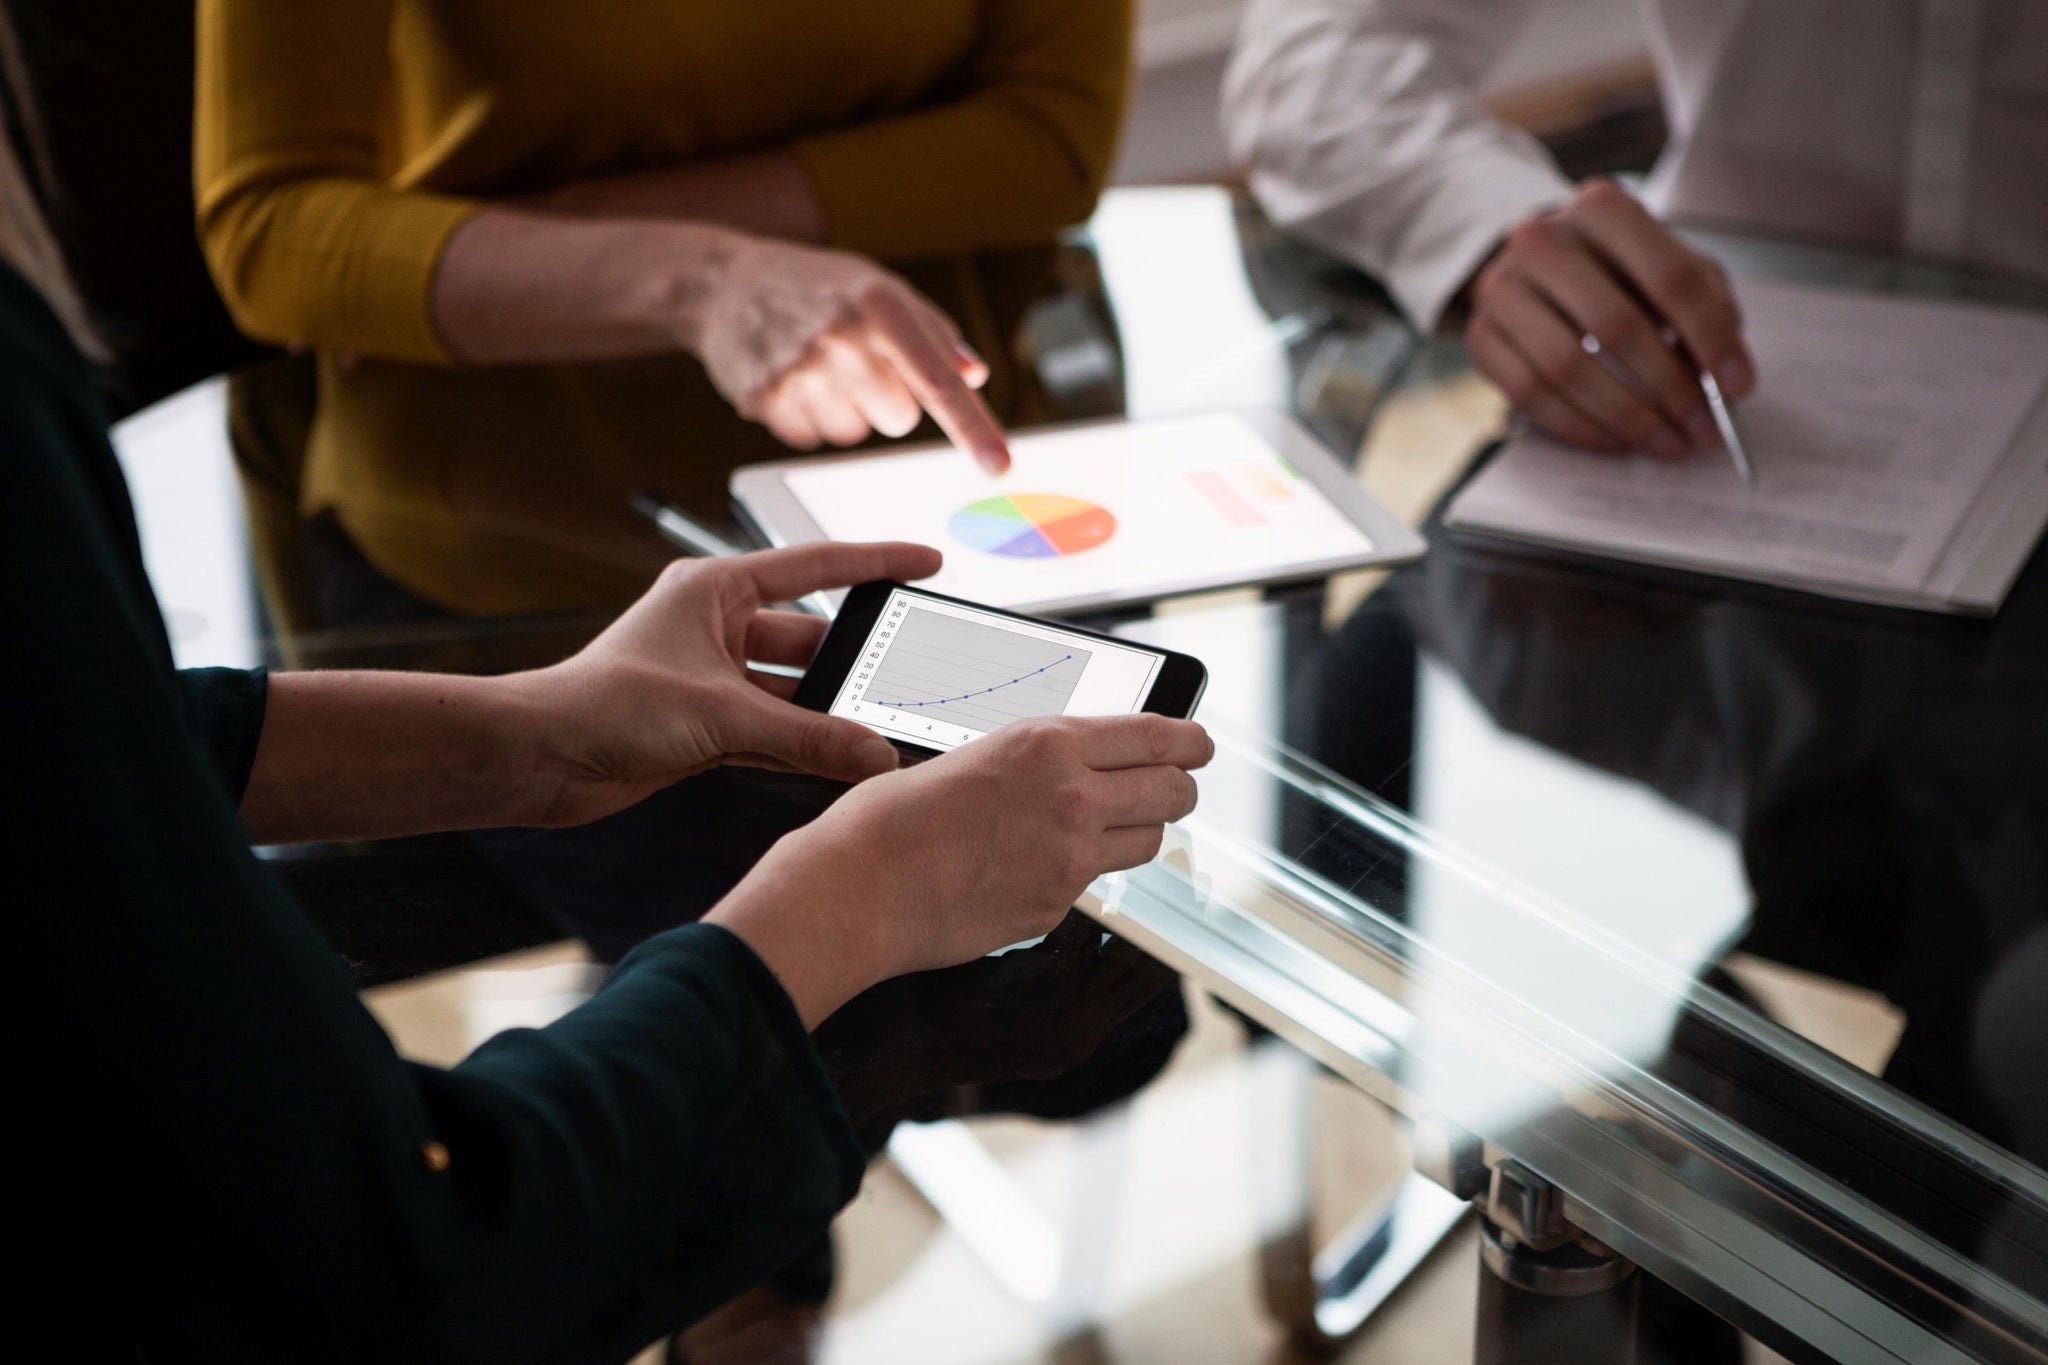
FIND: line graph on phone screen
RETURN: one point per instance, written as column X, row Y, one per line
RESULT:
column 936, row 672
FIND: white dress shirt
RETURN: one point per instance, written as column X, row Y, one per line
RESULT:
column 1910, row 126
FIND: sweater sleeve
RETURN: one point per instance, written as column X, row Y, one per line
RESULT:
column 226, row 707
column 258, row 1174
column 1022, row 152
column 1364, row 128
column 308, row 244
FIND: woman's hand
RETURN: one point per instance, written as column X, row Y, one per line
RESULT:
column 1603, row 268
column 821, row 346
column 666, row 691
column 982, row 847
column 817, row 345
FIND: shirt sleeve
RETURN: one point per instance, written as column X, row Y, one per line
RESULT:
column 307, row 243
column 258, row 1174
column 1023, row 152
column 1364, row 128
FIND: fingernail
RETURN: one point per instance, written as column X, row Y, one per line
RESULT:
column 879, row 756
column 1665, row 445
column 1735, row 375
column 1704, row 433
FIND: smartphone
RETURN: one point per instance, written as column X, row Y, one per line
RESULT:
column 930, row 672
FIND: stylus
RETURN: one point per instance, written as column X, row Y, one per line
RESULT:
column 689, row 534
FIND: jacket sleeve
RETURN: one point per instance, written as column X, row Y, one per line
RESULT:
column 1364, row 128
column 308, row 245
column 260, row 1176
column 1022, row 152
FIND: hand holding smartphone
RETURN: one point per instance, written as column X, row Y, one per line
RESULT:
column 931, row 673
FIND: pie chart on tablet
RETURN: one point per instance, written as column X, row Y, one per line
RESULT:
column 1032, row 525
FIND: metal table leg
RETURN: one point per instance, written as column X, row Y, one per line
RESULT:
column 1573, row 1302
column 1324, row 1297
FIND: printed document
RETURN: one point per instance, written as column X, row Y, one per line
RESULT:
column 1901, row 452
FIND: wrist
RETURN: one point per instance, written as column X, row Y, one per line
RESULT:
column 802, row 912
column 692, row 265
column 536, row 735
column 1458, row 309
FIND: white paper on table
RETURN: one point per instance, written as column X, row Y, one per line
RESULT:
column 1881, row 429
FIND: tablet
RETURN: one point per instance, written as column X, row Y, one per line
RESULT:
column 1094, row 516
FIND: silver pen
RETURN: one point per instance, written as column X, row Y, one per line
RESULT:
column 690, row 534
column 1724, row 418
column 684, row 531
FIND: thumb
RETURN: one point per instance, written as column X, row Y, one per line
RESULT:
column 809, row 741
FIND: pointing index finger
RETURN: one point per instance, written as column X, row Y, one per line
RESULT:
column 936, row 382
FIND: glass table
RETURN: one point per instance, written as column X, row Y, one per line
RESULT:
column 1481, row 839
column 1480, row 843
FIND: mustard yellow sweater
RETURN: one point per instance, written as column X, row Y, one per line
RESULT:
column 338, row 143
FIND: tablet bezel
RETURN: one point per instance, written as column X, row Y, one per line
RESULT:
column 764, row 498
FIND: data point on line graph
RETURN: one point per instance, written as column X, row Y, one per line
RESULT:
column 975, row 676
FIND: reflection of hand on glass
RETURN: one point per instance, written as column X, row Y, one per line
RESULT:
column 1015, row 1023
column 1603, row 268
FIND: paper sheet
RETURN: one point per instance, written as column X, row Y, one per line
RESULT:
column 1877, row 425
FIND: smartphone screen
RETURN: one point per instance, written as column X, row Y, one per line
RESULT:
column 938, row 673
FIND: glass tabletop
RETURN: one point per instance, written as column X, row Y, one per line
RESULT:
column 1516, row 844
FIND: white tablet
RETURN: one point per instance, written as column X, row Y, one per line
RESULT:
column 1094, row 516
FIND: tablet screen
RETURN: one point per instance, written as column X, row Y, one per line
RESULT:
column 1097, row 513
column 939, row 674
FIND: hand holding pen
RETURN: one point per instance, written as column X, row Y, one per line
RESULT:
column 1609, row 332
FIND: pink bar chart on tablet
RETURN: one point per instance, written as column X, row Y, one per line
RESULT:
column 1225, row 499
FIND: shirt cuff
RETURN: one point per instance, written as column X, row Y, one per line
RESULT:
column 1463, row 221
column 1443, row 236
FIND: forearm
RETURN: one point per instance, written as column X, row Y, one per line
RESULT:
column 376, row 755
column 516, row 286
column 765, row 193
